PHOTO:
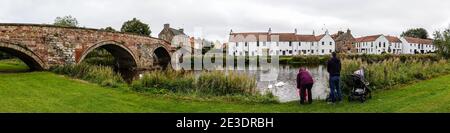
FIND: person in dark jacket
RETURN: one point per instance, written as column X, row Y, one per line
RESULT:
column 304, row 84
column 334, row 69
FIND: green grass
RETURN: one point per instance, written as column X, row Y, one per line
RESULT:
column 48, row 92
column 12, row 65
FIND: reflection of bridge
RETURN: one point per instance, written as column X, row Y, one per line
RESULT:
column 44, row 46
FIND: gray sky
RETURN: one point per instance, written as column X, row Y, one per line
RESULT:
column 215, row 18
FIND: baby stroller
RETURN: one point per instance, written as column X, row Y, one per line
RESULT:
column 359, row 89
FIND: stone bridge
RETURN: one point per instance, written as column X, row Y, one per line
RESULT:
column 44, row 46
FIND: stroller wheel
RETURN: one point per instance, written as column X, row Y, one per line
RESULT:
column 362, row 99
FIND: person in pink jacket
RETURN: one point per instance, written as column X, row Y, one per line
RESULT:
column 304, row 84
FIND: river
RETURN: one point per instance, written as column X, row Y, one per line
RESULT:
column 282, row 82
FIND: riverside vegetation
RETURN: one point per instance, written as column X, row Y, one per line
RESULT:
column 383, row 71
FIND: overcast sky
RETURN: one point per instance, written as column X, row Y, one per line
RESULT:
column 215, row 18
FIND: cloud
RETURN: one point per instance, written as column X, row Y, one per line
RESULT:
column 217, row 17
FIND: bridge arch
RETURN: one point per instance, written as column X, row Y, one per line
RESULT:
column 161, row 57
column 124, row 57
column 33, row 61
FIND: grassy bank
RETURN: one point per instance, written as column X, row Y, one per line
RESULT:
column 12, row 65
column 48, row 92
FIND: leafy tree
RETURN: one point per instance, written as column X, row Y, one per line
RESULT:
column 109, row 29
column 442, row 42
column 416, row 33
column 137, row 27
column 66, row 21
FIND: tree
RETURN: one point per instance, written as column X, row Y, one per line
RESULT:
column 137, row 27
column 66, row 21
column 416, row 33
column 109, row 29
column 442, row 42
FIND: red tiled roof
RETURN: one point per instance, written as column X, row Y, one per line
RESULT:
column 393, row 39
column 418, row 40
column 367, row 38
column 256, row 35
column 319, row 37
column 286, row 37
column 306, row 38
column 283, row 37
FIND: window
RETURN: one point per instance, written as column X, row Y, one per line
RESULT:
column 323, row 43
column 331, row 43
column 290, row 51
column 323, row 51
column 384, row 44
column 290, row 43
column 299, row 44
column 257, row 44
column 245, row 44
column 379, row 44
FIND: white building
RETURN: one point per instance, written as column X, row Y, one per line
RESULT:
column 284, row 44
column 417, row 45
column 377, row 44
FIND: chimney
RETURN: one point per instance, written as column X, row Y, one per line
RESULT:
column 166, row 26
column 295, row 30
column 349, row 31
column 270, row 30
column 181, row 30
column 231, row 31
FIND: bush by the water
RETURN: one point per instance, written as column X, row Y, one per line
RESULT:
column 373, row 58
column 169, row 80
column 220, row 83
column 102, row 75
column 394, row 71
column 369, row 58
column 210, row 83
column 216, row 85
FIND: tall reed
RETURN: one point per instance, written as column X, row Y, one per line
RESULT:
column 102, row 75
column 394, row 71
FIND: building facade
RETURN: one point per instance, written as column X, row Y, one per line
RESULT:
column 282, row 44
column 417, row 45
column 344, row 42
column 168, row 34
column 378, row 44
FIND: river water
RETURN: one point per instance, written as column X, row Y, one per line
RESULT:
column 281, row 82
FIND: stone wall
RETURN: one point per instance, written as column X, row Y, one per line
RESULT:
column 63, row 45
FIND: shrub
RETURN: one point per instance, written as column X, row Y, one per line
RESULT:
column 208, row 83
column 220, row 83
column 393, row 71
column 102, row 75
column 176, row 81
